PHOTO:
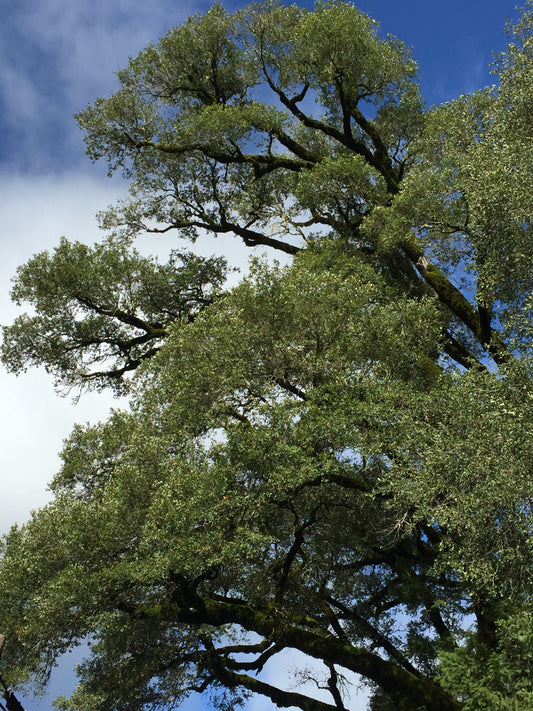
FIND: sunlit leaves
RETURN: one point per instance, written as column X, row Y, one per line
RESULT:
column 101, row 311
column 335, row 454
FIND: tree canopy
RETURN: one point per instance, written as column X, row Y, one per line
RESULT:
column 333, row 456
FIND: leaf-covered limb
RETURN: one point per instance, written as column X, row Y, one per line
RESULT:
column 153, row 330
column 451, row 297
column 264, row 163
column 459, row 353
column 285, row 568
column 400, row 683
column 105, row 304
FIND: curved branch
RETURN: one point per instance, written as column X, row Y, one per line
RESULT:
column 289, row 387
column 410, row 691
column 257, row 664
column 381, row 156
column 152, row 330
column 299, row 538
column 263, row 162
column 460, row 354
column 251, row 238
column 117, row 373
column 378, row 160
column 281, row 698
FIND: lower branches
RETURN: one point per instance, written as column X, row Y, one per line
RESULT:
column 409, row 691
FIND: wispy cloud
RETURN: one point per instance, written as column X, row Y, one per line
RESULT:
column 55, row 57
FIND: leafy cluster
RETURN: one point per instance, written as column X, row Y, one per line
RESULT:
column 334, row 456
column 101, row 311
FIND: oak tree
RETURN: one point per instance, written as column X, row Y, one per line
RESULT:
column 333, row 456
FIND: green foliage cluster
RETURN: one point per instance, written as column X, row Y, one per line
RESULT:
column 333, row 456
column 100, row 311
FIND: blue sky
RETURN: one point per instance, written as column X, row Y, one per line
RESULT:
column 56, row 56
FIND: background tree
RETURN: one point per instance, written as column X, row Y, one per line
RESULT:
column 333, row 456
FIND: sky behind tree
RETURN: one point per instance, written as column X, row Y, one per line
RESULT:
column 55, row 58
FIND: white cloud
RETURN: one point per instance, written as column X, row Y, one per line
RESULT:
column 33, row 419
column 56, row 57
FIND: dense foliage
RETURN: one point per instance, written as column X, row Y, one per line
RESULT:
column 335, row 455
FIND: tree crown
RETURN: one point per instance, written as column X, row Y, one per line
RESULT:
column 333, row 456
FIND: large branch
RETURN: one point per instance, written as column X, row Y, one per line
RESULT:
column 333, row 686
column 250, row 237
column 266, row 648
column 281, row 698
column 455, row 350
column 458, row 304
column 378, row 160
column 374, row 634
column 263, row 162
column 410, row 692
column 152, row 330
column 117, row 373
column 299, row 538
column 381, row 156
